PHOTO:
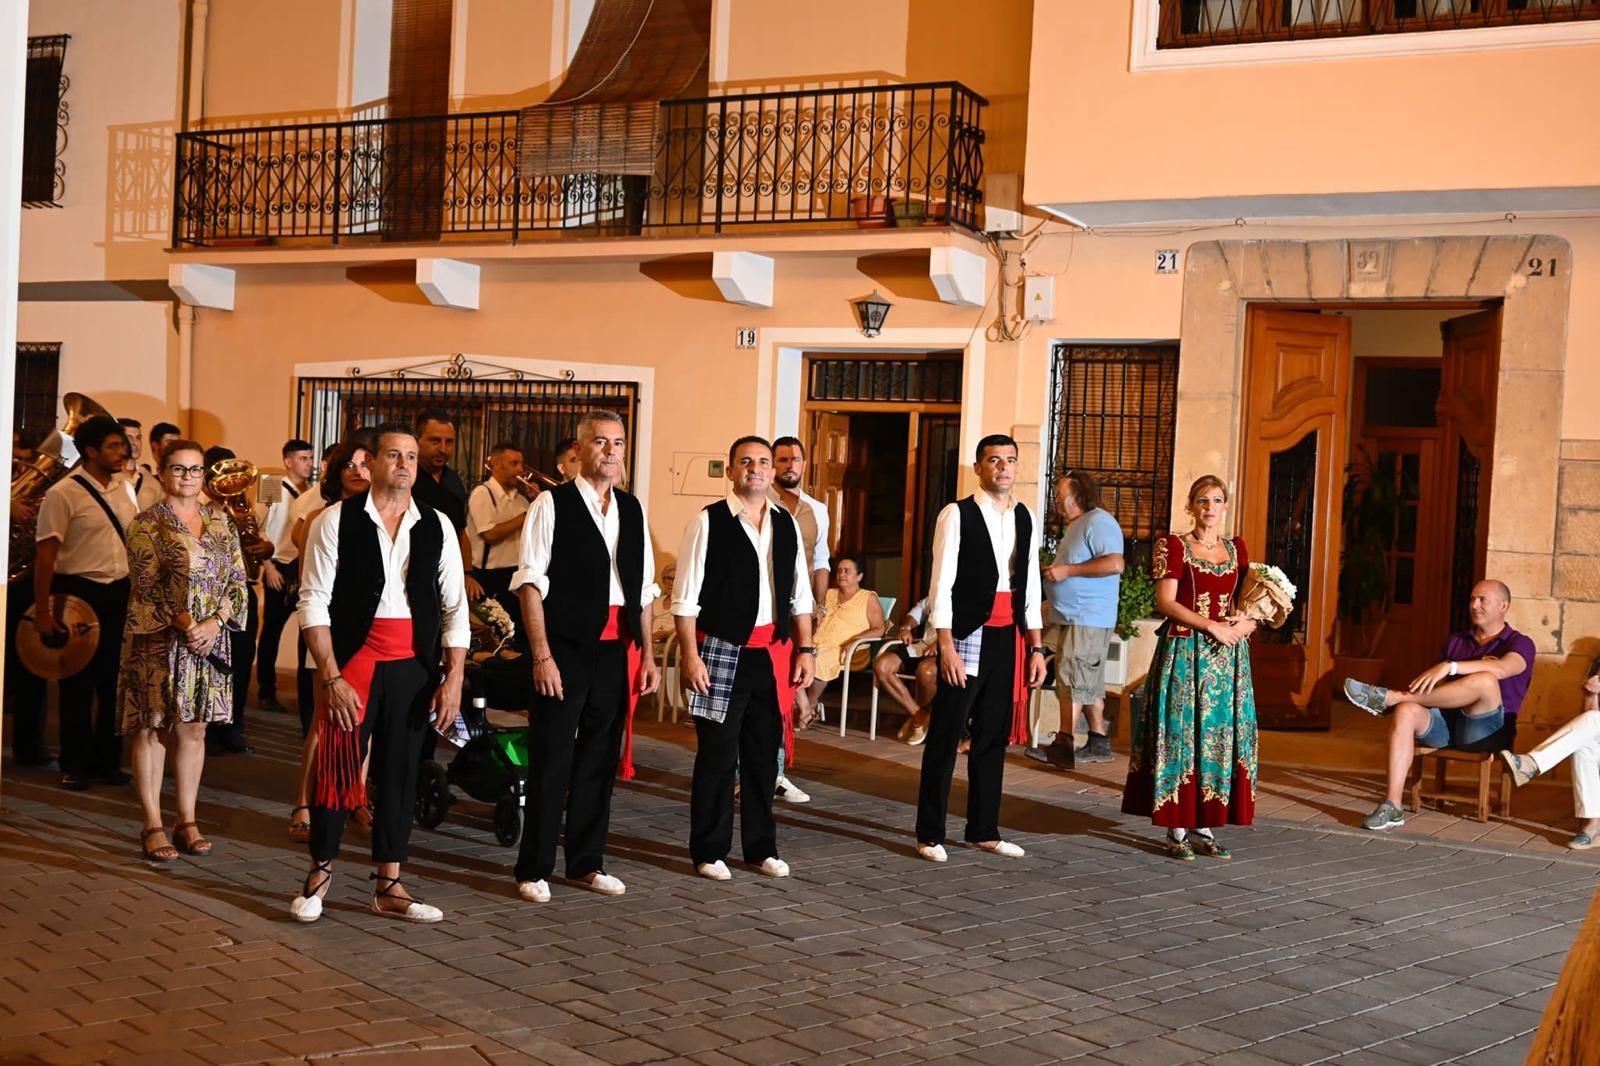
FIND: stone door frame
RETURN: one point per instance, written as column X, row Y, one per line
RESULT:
column 1221, row 277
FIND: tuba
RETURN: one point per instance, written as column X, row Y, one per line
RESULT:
column 228, row 483
column 30, row 481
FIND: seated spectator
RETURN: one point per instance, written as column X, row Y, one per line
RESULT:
column 1468, row 701
column 661, row 624
column 911, row 656
column 849, row 612
column 1579, row 739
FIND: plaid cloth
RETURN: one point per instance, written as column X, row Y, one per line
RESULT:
column 722, row 661
column 970, row 648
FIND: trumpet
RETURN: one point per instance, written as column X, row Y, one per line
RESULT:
column 532, row 481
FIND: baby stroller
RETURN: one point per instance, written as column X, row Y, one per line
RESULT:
column 490, row 763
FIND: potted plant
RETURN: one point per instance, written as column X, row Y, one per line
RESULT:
column 1372, row 502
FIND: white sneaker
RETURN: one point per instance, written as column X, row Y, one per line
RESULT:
column 772, row 866
column 788, row 793
column 534, row 891
column 1001, row 847
column 716, row 871
column 933, row 852
column 421, row 913
column 604, row 884
column 305, row 908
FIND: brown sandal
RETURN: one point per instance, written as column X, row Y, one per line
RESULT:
column 197, row 845
column 166, row 853
column 299, row 828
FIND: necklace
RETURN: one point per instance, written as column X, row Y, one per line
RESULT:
column 1195, row 536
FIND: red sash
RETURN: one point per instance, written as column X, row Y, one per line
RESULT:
column 614, row 630
column 782, row 656
column 340, row 785
column 1002, row 615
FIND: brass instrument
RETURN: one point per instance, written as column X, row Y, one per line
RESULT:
column 532, row 481
column 30, row 481
column 228, row 483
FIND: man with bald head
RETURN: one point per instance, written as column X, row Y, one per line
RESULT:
column 1467, row 701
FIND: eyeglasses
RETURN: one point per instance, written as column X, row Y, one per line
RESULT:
column 187, row 471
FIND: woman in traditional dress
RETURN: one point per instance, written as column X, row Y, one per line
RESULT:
column 849, row 612
column 188, row 587
column 1193, row 764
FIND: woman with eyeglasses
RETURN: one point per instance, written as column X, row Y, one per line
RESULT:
column 188, row 587
column 346, row 477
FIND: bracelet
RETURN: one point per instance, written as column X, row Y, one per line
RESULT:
column 541, row 660
column 1454, row 667
column 808, row 649
column 328, row 682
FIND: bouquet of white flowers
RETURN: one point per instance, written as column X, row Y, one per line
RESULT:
column 492, row 627
column 1266, row 595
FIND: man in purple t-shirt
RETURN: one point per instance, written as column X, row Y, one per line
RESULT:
column 1468, row 701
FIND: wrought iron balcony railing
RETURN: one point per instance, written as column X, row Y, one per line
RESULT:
column 826, row 158
column 1190, row 23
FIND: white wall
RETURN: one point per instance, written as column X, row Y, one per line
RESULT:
column 124, row 355
column 116, row 216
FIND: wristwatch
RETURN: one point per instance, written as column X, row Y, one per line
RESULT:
column 1454, row 668
column 1036, row 649
column 807, row 649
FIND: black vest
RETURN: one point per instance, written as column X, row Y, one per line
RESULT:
column 972, row 595
column 358, row 584
column 580, row 566
column 728, row 596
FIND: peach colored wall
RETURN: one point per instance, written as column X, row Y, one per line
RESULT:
column 705, row 393
column 115, row 217
column 510, row 52
column 122, row 354
column 1397, row 334
column 1480, row 120
column 1107, row 289
column 279, row 58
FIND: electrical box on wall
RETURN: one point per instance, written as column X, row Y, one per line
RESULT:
column 1039, row 298
column 699, row 474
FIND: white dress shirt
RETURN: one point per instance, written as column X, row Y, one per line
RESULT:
column 487, row 507
column 692, row 565
column 539, row 531
column 90, row 547
column 1002, row 526
column 147, row 488
column 812, row 517
column 279, row 523
column 321, row 564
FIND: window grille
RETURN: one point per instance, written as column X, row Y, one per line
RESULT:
column 1112, row 415
column 44, row 124
column 33, row 410
column 907, row 380
column 534, row 414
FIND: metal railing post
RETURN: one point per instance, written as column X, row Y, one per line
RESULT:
column 338, row 174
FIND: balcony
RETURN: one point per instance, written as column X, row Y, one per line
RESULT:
column 1194, row 23
column 827, row 159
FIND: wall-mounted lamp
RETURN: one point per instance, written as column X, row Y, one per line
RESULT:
column 872, row 310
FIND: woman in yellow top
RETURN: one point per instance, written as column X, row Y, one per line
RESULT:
column 849, row 612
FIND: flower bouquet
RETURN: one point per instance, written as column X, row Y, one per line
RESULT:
column 492, row 627
column 1265, row 595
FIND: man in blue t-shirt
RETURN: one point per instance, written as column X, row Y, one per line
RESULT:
column 1081, row 587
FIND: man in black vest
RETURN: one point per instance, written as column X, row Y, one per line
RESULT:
column 586, row 550
column 984, row 595
column 741, row 593
column 380, row 591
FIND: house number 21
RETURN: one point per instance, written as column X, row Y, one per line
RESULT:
column 1542, row 268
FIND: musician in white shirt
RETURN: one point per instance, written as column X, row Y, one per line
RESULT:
column 280, row 575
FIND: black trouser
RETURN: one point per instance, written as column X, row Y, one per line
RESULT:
column 25, row 698
column 573, row 745
column 242, row 650
column 89, row 741
column 987, row 700
column 395, row 720
column 278, row 607
column 745, row 743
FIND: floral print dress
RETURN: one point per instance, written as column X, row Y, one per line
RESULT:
column 1193, row 763
column 162, row 682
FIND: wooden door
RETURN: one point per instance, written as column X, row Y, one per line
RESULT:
column 1419, row 592
column 1295, row 438
column 829, row 468
column 1468, row 393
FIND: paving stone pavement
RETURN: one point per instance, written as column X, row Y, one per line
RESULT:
column 1316, row 943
